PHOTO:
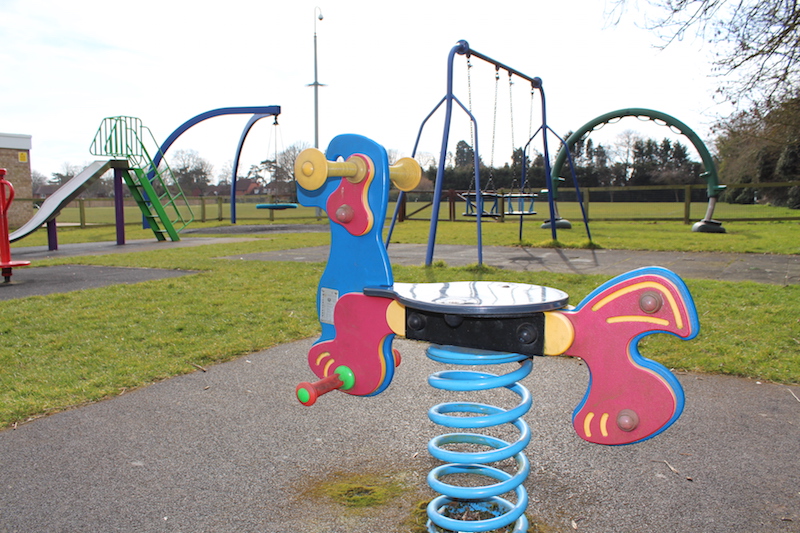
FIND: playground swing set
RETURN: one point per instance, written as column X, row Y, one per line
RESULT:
column 476, row 199
column 276, row 206
column 713, row 190
column 361, row 309
column 518, row 202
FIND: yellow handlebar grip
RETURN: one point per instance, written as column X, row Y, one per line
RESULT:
column 405, row 174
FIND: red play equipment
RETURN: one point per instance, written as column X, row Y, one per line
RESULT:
column 5, row 247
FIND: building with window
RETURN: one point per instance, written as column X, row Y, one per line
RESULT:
column 15, row 152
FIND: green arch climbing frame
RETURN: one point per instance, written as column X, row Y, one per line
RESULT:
column 710, row 170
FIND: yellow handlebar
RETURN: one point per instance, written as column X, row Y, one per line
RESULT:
column 311, row 169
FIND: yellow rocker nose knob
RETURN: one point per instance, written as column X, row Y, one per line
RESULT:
column 311, row 169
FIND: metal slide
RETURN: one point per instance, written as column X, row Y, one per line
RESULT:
column 54, row 203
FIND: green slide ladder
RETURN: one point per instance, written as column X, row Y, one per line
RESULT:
column 155, row 189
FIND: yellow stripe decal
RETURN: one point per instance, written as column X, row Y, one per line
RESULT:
column 644, row 285
column 365, row 192
column 586, row 425
column 648, row 319
column 604, row 424
column 322, row 356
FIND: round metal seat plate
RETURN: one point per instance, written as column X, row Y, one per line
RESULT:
column 486, row 298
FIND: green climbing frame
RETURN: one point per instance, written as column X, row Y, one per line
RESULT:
column 155, row 189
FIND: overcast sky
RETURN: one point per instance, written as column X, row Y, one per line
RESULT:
column 67, row 65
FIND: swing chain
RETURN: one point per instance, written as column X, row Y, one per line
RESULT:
column 530, row 118
column 511, row 109
column 494, row 116
column 469, row 102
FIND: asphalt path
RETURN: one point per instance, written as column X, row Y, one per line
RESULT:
column 230, row 449
column 758, row 268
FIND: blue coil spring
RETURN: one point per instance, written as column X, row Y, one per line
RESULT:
column 486, row 500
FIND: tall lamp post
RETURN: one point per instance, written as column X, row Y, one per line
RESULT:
column 316, row 84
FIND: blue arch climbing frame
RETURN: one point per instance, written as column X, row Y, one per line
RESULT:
column 258, row 113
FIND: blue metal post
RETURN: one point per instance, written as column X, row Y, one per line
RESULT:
column 254, row 110
column 461, row 48
column 235, row 171
column 547, row 171
column 413, row 154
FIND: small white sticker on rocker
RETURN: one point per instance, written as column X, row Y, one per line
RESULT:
column 327, row 303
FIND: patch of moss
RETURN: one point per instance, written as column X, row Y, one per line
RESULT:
column 358, row 490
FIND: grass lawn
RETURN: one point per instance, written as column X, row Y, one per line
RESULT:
column 64, row 350
column 780, row 237
column 776, row 237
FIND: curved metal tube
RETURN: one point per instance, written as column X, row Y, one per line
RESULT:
column 235, row 170
column 710, row 174
column 257, row 111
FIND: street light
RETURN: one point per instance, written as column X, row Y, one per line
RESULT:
column 316, row 84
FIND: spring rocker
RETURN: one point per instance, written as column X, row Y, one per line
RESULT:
column 6, row 197
column 478, row 323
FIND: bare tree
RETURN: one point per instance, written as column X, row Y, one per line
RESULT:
column 426, row 159
column 191, row 171
column 38, row 179
column 224, row 175
column 757, row 42
column 68, row 171
column 287, row 157
column 622, row 151
column 393, row 155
